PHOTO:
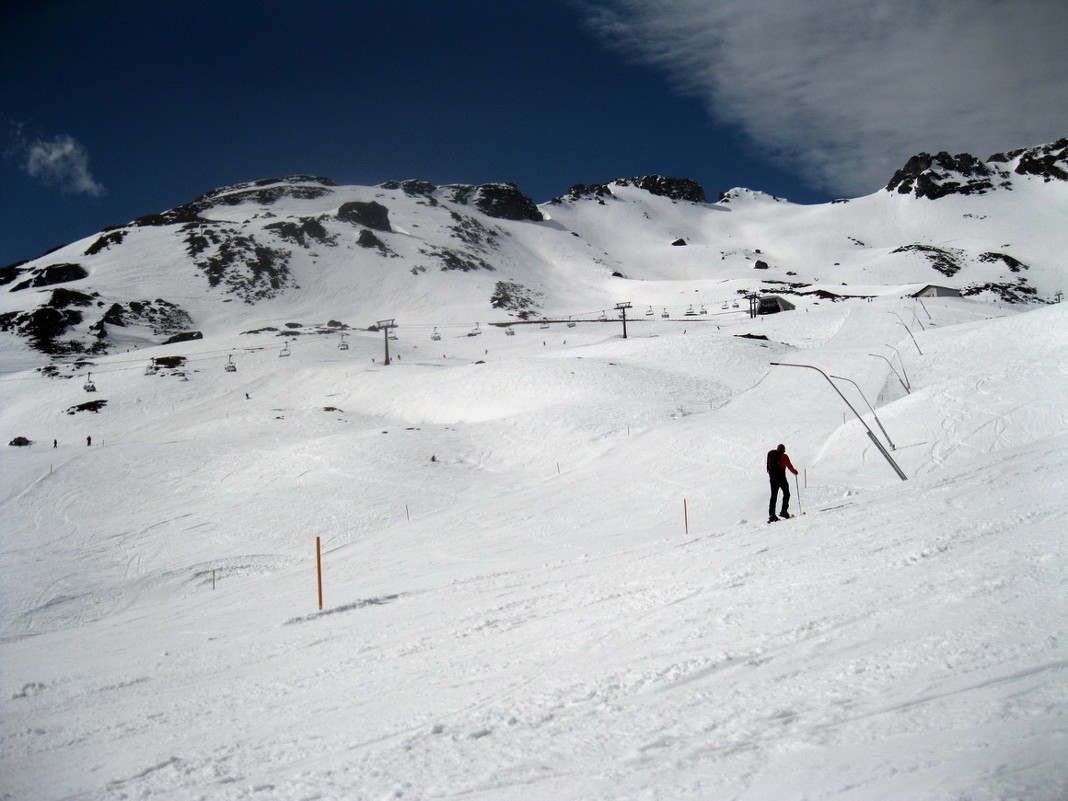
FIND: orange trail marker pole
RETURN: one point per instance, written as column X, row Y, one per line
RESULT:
column 319, row 571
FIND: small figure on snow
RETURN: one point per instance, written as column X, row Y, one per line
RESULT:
column 88, row 440
column 778, row 464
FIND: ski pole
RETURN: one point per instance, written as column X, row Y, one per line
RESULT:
column 798, row 491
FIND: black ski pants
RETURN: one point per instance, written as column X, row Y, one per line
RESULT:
column 779, row 482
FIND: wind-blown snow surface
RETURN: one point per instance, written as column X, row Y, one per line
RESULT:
column 513, row 607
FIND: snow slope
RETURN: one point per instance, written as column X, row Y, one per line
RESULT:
column 515, row 606
column 304, row 251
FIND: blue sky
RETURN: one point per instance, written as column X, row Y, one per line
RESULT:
column 112, row 109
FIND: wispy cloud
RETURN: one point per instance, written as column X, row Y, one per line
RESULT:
column 846, row 91
column 61, row 161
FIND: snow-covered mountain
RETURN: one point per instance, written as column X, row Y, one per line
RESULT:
column 546, row 571
column 303, row 250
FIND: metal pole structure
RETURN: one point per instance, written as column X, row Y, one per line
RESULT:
column 873, row 414
column 386, row 325
column 879, row 356
column 871, row 434
column 924, row 305
column 622, row 307
column 914, row 342
column 908, row 384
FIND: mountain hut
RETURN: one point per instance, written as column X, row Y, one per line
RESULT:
column 935, row 291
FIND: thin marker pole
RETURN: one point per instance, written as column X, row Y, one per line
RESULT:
column 319, row 571
column 685, row 516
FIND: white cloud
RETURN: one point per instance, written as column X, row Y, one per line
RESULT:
column 61, row 161
column 847, row 90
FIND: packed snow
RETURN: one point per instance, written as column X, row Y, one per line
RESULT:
column 546, row 567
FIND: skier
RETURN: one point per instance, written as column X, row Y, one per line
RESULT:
column 778, row 464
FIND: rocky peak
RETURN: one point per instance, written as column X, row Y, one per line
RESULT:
column 672, row 188
column 936, row 176
column 740, row 193
column 1050, row 162
column 501, row 200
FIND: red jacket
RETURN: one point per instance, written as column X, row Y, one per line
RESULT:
column 784, row 464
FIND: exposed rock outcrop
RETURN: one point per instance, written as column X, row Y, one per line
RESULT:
column 1050, row 162
column 369, row 214
column 936, row 176
column 52, row 274
column 945, row 261
column 933, row 177
column 237, row 262
column 304, row 232
column 43, row 327
column 673, row 188
column 514, row 297
column 263, row 192
column 505, row 202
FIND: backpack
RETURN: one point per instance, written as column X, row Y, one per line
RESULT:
column 774, row 461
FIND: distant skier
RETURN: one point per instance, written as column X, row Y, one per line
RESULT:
column 88, row 440
column 778, row 464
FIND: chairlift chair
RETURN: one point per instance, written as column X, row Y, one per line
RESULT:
column 474, row 332
column 665, row 314
column 285, row 351
column 649, row 312
column 544, row 324
column 603, row 316
column 570, row 323
column 89, row 386
column 151, row 369
column 703, row 309
column 435, row 336
column 690, row 312
column 509, row 331
column 230, row 367
column 342, row 345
